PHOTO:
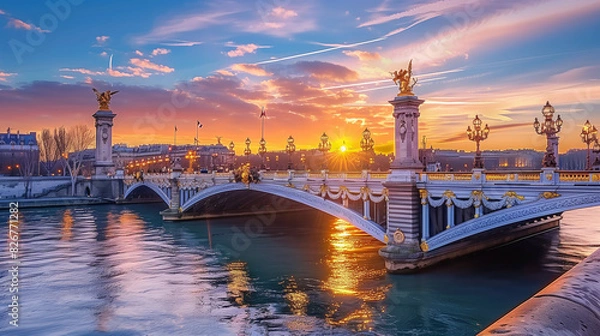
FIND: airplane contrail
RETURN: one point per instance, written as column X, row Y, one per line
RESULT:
column 110, row 61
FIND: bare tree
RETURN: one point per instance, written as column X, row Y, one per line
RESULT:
column 78, row 138
column 62, row 142
column 26, row 164
column 49, row 153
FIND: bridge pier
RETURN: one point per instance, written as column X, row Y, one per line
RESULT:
column 174, row 210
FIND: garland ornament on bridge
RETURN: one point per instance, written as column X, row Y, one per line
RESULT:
column 246, row 175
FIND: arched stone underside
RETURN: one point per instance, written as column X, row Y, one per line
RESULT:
column 523, row 212
column 295, row 195
column 159, row 192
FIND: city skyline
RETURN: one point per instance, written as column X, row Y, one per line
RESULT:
column 315, row 67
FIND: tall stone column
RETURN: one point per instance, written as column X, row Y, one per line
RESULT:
column 104, row 164
column 404, row 212
column 553, row 143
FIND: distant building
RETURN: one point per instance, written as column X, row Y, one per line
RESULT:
column 19, row 153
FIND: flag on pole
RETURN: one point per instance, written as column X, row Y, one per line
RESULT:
column 199, row 124
column 262, row 112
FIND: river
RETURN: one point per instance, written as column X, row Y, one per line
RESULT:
column 121, row 270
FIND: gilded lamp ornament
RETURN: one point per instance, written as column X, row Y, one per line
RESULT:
column 403, row 78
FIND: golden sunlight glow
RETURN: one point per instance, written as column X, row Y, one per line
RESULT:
column 297, row 300
column 67, row 225
column 343, row 148
column 239, row 282
column 348, row 262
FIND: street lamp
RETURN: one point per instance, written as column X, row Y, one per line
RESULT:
column 549, row 128
column 214, row 157
column 588, row 135
column 247, row 150
column 262, row 150
column 290, row 148
column 596, row 150
column 324, row 147
column 477, row 134
column 366, row 144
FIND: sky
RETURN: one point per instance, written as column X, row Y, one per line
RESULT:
column 316, row 66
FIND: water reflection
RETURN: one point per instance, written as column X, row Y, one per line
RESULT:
column 66, row 226
column 239, row 282
column 296, row 299
column 349, row 260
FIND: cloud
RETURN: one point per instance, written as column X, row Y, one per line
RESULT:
column 139, row 53
column 182, row 24
column 182, row 43
column 283, row 13
column 160, row 51
column 104, row 54
column 5, row 75
column 67, row 77
column 224, row 72
column 82, row 71
column 241, row 50
column 100, row 40
column 251, row 69
column 326, row 71
column 19, row 24
column 147, row 64
column 363, row 55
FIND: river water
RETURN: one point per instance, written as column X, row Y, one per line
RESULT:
column 121, row 270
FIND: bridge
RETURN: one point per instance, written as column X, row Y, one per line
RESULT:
column 454, row 209
column 421, row 217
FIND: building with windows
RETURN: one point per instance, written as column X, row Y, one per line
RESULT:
column 19, row 154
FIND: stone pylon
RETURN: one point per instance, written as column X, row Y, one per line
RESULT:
column 404, row 208
column 104, row 165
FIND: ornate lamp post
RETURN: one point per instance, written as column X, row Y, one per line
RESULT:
column 366, row 144
column 247, row 150
column 214, row 157
column 262, row 150
column 324, row 147
column 477, row 134
column 596, row 150
column 290, row 148
column 550, row 128
column 303, row 160
column 588, row 135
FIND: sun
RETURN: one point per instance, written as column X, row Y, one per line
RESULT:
column 343, row 148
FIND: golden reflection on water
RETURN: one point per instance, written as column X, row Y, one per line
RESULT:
column 66, row 226
column 296, row 299
column 350, row 268
column 239, row 282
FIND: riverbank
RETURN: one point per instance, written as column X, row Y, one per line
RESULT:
column 53, row 202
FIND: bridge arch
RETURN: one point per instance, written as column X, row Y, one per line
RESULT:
column 523, row 212
column 159, row 192
column 296, row 195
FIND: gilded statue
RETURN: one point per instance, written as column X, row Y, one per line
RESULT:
column 403, row 78
column 103, row 98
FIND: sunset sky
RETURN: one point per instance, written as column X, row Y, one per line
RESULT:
column 316, row 66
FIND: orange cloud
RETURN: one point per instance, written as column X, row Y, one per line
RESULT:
column 251, row 69
column 5, row 75
column 160, row 51
column 147, row 64
column 326, row 71
column 243, row 49
column 363, row 55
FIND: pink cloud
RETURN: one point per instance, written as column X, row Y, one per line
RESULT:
column 363, row 55
column 5, row 75
column 283, row 13
column 160, row 51
column 225, row 72
column 19, row 24
column 147, row 64
column 243, row 49
column 139, row 53
column 102, row 39
column 251, row 69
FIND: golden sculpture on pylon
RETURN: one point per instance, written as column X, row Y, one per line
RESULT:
column 103, row 98
column 403, row 78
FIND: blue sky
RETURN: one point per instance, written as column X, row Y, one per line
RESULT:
column 316, row 66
